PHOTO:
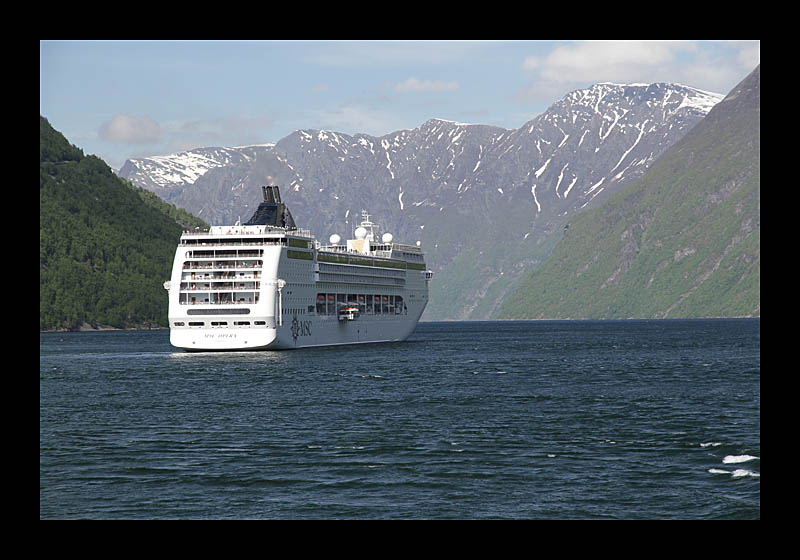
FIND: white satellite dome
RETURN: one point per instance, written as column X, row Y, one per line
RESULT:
column 387, row 237
column 334, row 239
column 361, row 232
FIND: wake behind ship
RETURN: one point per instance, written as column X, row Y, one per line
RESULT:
column 266, row 285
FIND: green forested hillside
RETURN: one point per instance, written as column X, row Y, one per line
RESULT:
column 684, row 241
column 105, row 247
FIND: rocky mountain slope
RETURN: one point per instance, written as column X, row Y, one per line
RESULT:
column 487, row 203
column 684, row 241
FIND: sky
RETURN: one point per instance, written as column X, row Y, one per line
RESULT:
column 128, row 99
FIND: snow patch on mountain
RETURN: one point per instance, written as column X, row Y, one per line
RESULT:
column 187, row 167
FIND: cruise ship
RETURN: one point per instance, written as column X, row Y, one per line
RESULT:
column 267, row 285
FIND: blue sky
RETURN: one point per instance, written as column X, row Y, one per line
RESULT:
column 123, row 99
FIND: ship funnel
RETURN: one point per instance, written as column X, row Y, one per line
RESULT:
column 272, row 212
column 271, row 193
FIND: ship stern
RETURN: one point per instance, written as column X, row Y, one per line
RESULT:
column 214, row 339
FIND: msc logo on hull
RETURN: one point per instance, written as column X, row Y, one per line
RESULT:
column 300, row 328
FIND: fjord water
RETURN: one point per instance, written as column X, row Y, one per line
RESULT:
column 477, row 420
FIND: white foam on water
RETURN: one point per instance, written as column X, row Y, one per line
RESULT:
column 744, row 472
column 738, row 459
column 710, row 444
column 738, row 473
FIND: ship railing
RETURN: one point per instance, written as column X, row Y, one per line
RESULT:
column 383, row 251
column 220, row 287
column 207, row 303
column 218, row 266
column 407, row 248
column 334, row 248
column 245, row 231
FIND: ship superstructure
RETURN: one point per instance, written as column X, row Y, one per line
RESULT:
column 266, row 284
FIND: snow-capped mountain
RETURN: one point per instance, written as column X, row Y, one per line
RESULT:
column 486, row 202
column 177, row 170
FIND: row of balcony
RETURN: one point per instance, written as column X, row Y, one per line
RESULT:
column 218, row 286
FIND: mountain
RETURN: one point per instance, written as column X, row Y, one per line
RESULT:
column 105, row 246
column 487, row 203
column 683, row 241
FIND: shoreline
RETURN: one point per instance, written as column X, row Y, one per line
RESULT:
column 86, row 327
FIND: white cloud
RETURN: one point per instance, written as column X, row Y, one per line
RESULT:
column 131, row 130
column 413, row 85
column 153, row 138
column 710, row 65
column 606, row 60
column 750, row 54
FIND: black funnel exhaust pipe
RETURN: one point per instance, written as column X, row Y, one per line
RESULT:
column 272, row 212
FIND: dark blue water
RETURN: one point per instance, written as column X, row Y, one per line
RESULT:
column 494, row 420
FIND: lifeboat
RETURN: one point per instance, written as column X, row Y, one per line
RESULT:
column 348, row 313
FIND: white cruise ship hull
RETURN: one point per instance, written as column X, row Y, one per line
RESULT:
column 296, row 332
